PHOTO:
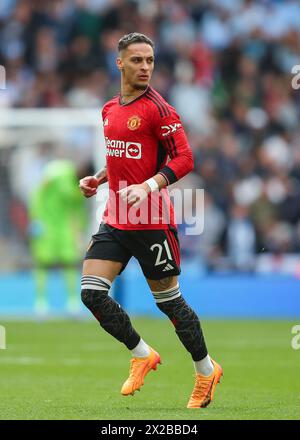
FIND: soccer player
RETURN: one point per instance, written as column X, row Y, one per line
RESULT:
column 141, row 131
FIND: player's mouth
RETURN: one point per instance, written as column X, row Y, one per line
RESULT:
column 143, row 77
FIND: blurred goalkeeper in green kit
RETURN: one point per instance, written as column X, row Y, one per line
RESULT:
column 57, row 221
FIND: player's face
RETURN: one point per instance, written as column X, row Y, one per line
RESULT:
column 136, row 64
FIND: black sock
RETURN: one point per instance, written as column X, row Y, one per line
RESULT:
column 111, row 316
column 187, row 326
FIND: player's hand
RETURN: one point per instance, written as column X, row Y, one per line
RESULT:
column 88, row 186
column 134, row 195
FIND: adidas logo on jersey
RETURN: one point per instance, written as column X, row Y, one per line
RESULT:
column 168, row 267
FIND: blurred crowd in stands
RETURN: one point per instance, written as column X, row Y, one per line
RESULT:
column 226, row 67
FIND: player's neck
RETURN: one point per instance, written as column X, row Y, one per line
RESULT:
column 129, row 94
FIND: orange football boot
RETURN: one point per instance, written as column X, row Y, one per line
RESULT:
column 204, row 388
column 139, row 368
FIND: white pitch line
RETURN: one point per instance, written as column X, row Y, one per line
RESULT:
column 68, row 362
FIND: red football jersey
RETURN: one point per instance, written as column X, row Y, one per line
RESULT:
column 140, row 137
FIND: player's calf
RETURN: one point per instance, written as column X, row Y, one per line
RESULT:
column 188, row 329
column 184, row 319
column 110, row 315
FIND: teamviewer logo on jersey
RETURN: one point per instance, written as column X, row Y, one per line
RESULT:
column 133, row 150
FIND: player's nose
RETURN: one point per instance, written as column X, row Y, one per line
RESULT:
column 145, row 66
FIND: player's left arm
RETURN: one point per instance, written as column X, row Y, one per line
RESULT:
column 173, row 138
column 171, row 135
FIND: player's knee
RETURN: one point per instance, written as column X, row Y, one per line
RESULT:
column 165, row 297
column 175, row 307
column 93, row 288
column 85, row 294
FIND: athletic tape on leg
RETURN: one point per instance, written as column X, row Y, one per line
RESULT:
column 95, row 283
column 167, row 295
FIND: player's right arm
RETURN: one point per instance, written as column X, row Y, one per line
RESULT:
column 89, row 184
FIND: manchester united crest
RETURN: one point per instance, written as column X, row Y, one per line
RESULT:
column 134, row 122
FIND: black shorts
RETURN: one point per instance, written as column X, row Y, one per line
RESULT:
column 157, row 251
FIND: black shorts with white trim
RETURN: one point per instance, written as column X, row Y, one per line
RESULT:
column 157, row 251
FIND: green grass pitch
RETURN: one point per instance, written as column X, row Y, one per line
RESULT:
column 74, row 370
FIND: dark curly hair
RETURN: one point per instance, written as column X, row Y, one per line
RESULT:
column 132, row 38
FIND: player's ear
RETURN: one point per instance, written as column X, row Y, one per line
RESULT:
column 119, row 63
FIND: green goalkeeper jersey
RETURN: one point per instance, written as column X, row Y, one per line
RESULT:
column 58, row 216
